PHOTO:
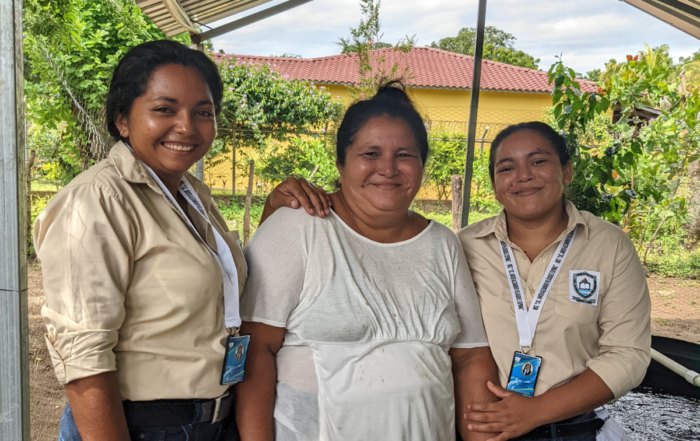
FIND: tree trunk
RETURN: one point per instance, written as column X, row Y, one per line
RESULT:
column 248, row 203
column 233, row 171
column 456, row 202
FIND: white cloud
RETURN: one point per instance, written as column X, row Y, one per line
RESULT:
column 587, row 33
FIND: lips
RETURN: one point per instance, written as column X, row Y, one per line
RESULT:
column 526, row 192
column 178, row 147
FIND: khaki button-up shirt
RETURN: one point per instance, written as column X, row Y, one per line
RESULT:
column 129, row 287
column 611, row 336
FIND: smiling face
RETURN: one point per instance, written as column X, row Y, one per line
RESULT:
column 172, row 124
column 529, row 179
column 383, row 167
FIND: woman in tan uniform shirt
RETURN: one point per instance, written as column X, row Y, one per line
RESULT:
column 135, row 295
column 588, row 320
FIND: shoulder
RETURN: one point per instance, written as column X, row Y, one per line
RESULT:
column 471, row 233
column 605, row 234
column 100, row 181
column 286, row 227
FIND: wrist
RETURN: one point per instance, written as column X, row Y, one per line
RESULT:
column 542, row 411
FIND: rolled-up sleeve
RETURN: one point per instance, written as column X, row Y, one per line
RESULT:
column 84, row 240
column 625, row 324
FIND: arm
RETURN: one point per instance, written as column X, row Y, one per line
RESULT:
column 471, row 369
column 97, row 408
column 255, row 396
column 294, row 192
column 516, row 415
column 84, row 286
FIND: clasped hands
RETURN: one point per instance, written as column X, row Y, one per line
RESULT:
column 513, row 415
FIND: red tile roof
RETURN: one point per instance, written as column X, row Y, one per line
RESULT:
column 430, row 68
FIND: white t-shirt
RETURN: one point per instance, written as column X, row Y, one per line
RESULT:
column 368, row 327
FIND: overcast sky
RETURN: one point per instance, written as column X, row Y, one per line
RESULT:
column 587, row 33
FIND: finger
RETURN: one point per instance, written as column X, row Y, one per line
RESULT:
column 498, row 390
column 502, row 437
column 488, row 427
column 482, row 417
column 325, row 199
column 484, row 407
column 293, row 187
column 314, row 196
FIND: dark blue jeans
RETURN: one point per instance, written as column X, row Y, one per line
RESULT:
column 224, row 430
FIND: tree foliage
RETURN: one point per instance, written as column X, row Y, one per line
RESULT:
column 361, row 43
column 261, row 105
column 71, row 48
column 498, row 46
column 632, row 176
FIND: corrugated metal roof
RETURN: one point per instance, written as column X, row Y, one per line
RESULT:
column 681, row 14
column 199, row 11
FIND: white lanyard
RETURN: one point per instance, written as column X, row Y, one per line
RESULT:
column 527, row 320
column 232, row 317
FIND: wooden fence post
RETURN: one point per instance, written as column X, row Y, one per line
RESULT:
column 248, row 203
column 233, row 172
column 456, row 202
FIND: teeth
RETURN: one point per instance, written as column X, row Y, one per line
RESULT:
column 178, row 147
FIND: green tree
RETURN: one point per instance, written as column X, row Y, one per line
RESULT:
column 632, row 177
column 261, row 105
column 71, row 48
column 362, row 41
column 498, row 46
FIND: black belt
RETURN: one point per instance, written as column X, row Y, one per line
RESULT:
column 177, row 412
column 565, row 428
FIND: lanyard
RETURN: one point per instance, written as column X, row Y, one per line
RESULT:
column 527, row 320
column 224, row 258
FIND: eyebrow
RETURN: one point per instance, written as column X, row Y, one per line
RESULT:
column 174, row 101
column 529, row 155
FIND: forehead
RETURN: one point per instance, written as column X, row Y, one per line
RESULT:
column 175, row 80
column 383, row 130
column 523, row 143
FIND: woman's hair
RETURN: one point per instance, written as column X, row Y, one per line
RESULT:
column 131, row 76
column 392, row 101
column 557, row 141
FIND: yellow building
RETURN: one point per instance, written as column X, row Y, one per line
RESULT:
column 439, row 83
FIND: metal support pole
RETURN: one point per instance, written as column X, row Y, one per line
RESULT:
column 250, row 19
column 14, row 353
column 473, row 112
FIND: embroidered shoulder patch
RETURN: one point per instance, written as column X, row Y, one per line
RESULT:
column 584, row 287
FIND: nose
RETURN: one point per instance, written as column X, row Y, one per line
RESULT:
column 183, row 123
column 387, row 166
column 524, row 174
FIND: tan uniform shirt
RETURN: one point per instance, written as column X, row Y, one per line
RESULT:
column 129, row 287
column 612, row 336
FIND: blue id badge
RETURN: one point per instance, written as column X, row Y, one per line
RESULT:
column 234, row 360
column 523, row 374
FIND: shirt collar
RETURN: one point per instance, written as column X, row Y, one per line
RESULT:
column 499, row 226
column 131, row 170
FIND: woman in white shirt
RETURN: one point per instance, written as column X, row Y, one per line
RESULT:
column 359, row 320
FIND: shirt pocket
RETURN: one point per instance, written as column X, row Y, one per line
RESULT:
column 576, row 312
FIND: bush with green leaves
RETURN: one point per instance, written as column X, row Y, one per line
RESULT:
column 308, row 158
column 631, row 178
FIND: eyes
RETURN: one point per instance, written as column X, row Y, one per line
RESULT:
column 168, row 111
column 376, row 154
column 534, row 163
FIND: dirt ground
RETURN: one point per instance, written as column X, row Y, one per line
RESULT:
column 675, row 313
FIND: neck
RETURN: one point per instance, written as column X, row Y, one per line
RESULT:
column 545, row 229
column 171, row 182
column 386, row 227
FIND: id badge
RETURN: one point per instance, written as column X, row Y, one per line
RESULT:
column 523, row 374
column 234, row 360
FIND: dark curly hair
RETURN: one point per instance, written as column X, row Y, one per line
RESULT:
column 391, row 100
column 130, row 78
column 557, row 141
